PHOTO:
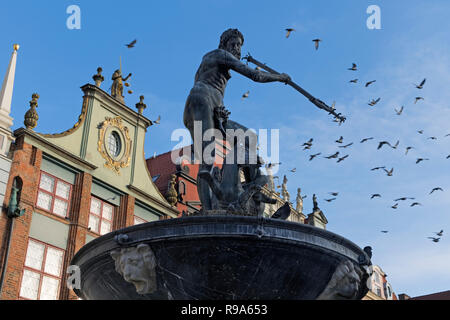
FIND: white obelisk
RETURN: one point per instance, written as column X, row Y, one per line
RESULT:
column 6, row 121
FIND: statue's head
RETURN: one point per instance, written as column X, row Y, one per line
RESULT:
column 117, row 73
column 232, row 40
column 137, row 266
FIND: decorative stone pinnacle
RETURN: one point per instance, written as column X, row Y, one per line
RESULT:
column 141, row 105
column 98, row 78
column 31, row 116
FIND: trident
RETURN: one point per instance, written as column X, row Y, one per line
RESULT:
column 318, row 103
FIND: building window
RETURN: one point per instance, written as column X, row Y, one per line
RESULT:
column 138, row 220
column 53, row 195
column 377, row 277
column 114, row 144
column 100, row 216
column 379, row 292
column 41, row 275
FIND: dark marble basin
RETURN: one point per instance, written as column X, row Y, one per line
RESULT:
column 220, row 257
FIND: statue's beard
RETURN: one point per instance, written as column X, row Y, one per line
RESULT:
column 236, row 53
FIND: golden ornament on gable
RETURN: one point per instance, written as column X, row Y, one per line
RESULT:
column 114, row 144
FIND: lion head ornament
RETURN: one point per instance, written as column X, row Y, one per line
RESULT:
column 137, row 266
column 344, row 284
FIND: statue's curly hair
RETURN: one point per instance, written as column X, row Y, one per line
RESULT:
column 227, row 35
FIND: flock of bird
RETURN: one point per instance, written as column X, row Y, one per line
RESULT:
column 339, row 157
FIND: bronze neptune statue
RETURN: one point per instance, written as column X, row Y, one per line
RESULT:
column 205, row 105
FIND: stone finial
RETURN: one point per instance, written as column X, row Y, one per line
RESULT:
column 141, row 105
column 98, row 78
column 31, row 116
column 171, row 194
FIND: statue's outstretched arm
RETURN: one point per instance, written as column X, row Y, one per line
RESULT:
column 125, row 79
column 255, row 75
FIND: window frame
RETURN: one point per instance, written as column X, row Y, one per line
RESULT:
column 101, row 218
column 53, row 194
column 139, row 218
column 41, row 272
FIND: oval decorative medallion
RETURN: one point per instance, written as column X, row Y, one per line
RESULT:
column 114, row 144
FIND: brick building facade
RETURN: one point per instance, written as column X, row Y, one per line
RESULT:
column 74, row 187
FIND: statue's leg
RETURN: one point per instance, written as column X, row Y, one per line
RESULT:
column 198, row 110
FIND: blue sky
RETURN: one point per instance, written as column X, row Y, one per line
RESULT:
column 174, row 35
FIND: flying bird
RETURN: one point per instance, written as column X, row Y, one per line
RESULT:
column 288, row 31
column 377, row 168
column 333, row 156
column 131, row 44
column 417, row 99
column 366, row 139
column 434, row 239
column 316, row 43
column 354, row 81
column 448, row 157
column 330, row 200
column 420, row 86
column 432, row 138
column 399, row 112
column 384, row 231
column 382, row 143
column 395, row 145
column 420, row 131
column 447, row 135
column 346, row 146
column 440, row 233
column 420, row 160
column 374, row 102
column 376, row 195
column 403, row 199
column 343, row 158
column 293, row 170
column 370, row 82
column 270, row 164
column 436, row 189
column 390, row 172
column 407, row 150
column 334, row 194
column 415, row 204
column 157, row 121
column 353, row 68
column 340, row 140
column 395, row 206
column 245, row 95
column 308, row 143
column 311, row 157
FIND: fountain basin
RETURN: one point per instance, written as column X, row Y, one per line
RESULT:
column 220, row 258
